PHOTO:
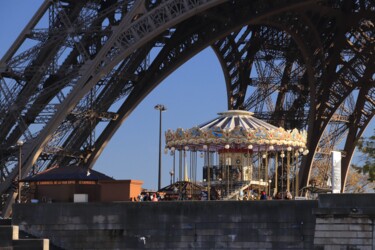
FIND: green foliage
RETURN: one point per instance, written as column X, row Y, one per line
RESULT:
column 367, row 147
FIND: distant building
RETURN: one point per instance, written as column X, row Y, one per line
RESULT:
column 79, row 184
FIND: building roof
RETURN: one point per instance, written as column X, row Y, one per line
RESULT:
column 67, row 173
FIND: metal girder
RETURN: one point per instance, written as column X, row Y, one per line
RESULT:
column 362, row 115
column 172, row 60
column 342, row 72
column 93, row 70
column 245, row 37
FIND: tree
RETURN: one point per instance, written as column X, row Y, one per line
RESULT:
column 357, row 182
column 367, row 147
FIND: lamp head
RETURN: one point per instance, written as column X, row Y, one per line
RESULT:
column 160, row 107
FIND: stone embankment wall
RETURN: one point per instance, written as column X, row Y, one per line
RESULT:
column 333, row 222
column 172, row 225
column 345, row 222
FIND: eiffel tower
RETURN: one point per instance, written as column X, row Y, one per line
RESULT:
column 293, row 63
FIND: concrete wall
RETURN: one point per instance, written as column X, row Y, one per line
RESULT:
column 172, row 225
column 344, row 222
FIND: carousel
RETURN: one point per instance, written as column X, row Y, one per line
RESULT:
column 243, row 156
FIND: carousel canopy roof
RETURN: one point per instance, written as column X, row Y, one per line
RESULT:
column 231, row 119
column 235, row 129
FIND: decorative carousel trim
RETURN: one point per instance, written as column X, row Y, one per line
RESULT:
column 235, row 129
column 238, row 136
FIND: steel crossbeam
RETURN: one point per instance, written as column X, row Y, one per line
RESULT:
column 294, row 63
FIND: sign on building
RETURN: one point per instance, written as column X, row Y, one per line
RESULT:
column 336, row 172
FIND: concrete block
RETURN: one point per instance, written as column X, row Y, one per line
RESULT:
column 346, row 200
column 28, row 244
column 332, row 227
column 343, row 234
column 360, row 227
column 344, row 227
column 342, row 241
column 343, row 220
column 8, row 234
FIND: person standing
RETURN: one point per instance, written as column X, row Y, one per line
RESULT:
column 263, row 196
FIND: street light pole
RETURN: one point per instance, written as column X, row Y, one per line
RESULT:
column 19, row 144
column 269, row 187
column 161, row 108
column 172, row 174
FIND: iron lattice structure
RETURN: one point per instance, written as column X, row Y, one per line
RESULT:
column 294, row 63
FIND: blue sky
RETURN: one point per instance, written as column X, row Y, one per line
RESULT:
column 193, row 94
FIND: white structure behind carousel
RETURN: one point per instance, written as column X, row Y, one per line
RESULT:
column 243, row 156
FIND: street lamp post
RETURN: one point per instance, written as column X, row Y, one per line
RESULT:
column 172, row 174
column 260, row 181
column 269, row 187
column 161, row 108
column 19, row 144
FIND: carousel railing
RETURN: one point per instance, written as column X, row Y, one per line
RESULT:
column 234, row 192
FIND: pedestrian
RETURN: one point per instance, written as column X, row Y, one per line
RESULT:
column 288, row 195
column 263, row 196
column 155, row 198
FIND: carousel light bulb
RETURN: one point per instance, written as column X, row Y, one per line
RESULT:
column 271, row 147
column 289, row 148
column 186, row 148
column 250, row 146
column 300, row 150
column 166, row 151
column 282, row 155
column 173, row 149
column 205, row 147
column 305, row 152
column 227, row 146
column 264, row 156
